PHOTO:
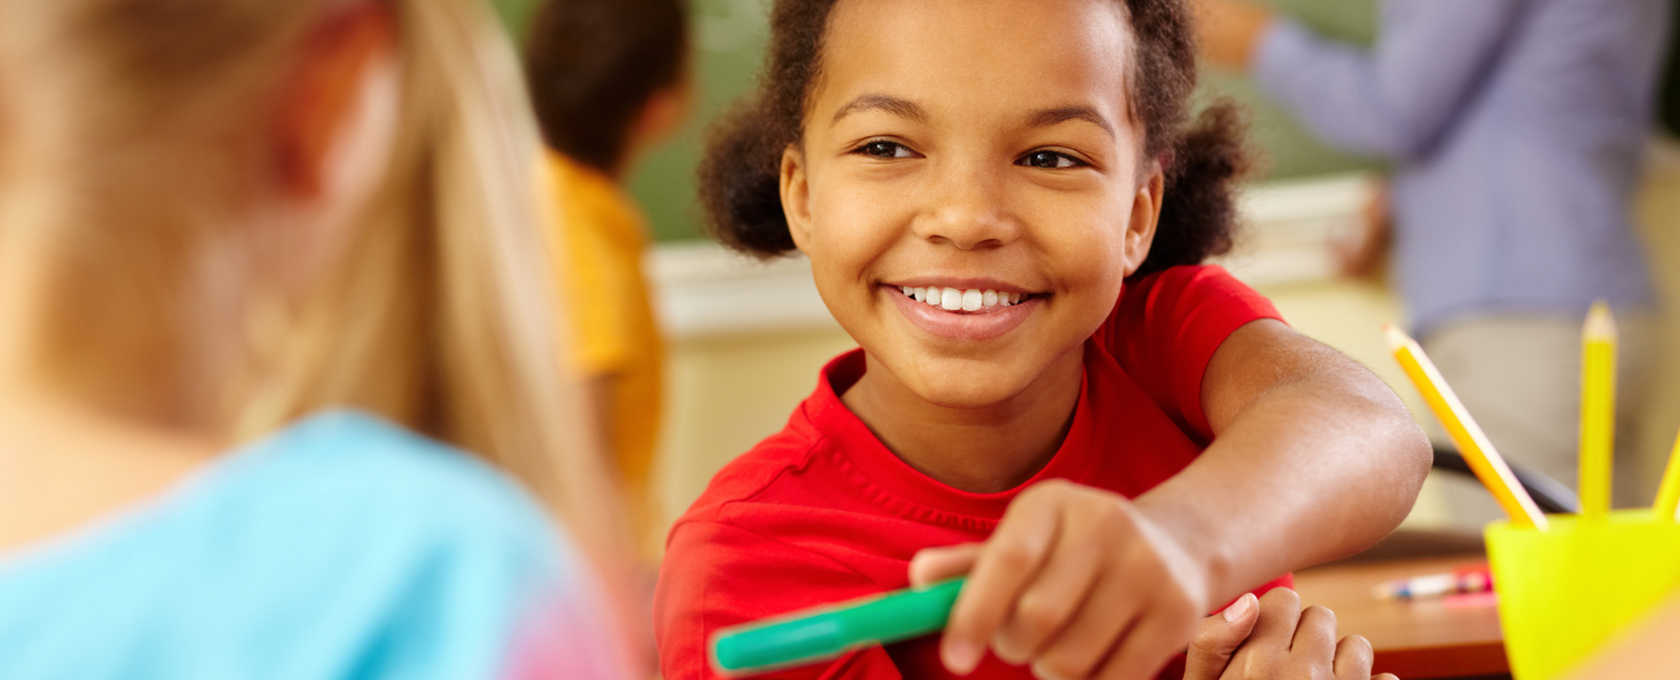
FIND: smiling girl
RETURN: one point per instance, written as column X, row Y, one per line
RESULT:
column 1003, row 204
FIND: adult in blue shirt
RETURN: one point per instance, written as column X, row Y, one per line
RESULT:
column 1516, row 130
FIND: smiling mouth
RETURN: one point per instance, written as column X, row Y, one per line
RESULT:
column 964, row 300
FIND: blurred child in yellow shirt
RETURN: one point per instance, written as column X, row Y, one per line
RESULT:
column 608, row 78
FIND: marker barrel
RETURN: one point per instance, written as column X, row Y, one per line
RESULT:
column 829, row 631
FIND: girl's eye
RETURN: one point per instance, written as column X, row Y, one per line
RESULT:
column 883, row 149
column 1050, row 159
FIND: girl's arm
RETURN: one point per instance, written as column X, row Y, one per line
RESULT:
column 1314, row 458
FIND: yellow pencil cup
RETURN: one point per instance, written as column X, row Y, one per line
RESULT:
column 1565, row 592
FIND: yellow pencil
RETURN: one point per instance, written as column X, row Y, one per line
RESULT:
column 1473, row 444
column 1598, row 409
column 1668, row 495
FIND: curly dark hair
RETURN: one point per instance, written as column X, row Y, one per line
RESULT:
column 593, row 64
column 739, row 175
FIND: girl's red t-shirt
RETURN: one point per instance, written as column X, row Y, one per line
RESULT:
column 822, row 512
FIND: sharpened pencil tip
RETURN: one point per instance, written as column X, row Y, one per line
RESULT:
column 1600, row 323
column 1396, row 337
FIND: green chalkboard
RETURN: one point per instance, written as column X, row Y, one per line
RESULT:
column 729, row 37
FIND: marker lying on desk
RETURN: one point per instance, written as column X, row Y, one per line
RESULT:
column 1472, row 443
column 1473, row 579
column 830, row 630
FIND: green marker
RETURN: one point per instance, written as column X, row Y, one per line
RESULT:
column 830, row 630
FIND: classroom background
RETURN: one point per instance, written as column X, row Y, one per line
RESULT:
column 745, row 338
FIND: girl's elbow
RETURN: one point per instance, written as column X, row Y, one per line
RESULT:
column 1402, row 446
column 1407, row 454
column 1417, row 453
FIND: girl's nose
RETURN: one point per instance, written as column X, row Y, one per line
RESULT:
column 967, row 208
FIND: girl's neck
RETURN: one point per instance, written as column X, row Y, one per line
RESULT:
column 65, row 466
column 984, row 449
column 64, row 459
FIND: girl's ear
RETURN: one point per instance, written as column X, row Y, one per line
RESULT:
column 323, row 90
column 796, row 196
column 1146, row 213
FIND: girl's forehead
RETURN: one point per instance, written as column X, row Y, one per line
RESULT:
column 986, row 54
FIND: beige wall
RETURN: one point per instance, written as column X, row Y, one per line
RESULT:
column 729, row 391
column 725, row 393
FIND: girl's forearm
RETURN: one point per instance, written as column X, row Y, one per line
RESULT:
column 1316, row 467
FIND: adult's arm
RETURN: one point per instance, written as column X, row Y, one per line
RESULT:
column 1401, row 95
column 1314, row 458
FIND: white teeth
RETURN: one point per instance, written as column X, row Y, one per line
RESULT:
column 950, row 299
column 954, row 299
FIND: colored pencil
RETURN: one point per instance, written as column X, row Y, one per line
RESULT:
column 1668, row 495
column 1472, row 443
column 1598, row 410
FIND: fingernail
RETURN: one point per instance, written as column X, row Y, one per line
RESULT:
column 1040, row 672
column 961, row 656
column 915, row 564
column 1239, row 609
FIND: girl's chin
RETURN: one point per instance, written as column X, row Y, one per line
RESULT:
column 963, row 383
column 984, row 376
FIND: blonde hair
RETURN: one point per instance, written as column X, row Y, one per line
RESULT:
column 440, row 314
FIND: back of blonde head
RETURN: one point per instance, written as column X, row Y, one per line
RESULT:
column 135, row 115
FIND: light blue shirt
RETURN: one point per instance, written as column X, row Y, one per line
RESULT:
column 1517, row 130
column 341, row 548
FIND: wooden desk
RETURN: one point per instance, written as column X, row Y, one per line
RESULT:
column 1415, row 639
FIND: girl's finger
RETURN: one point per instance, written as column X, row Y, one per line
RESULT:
column 1280, row 611
column 1007, row 561
column 1387, row 676
column 1315, row 636
column 1146, row 648
column 1353, row 659
column 1078, row 650
column 1051, row 600
column 938, row 564
column 1218, row 637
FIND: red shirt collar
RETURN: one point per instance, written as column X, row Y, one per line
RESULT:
column 879, row 467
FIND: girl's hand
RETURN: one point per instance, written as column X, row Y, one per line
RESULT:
column 1276, row 640
column 1076, row 582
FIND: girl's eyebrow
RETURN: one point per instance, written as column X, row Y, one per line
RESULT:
column 1049, row 117
column 903, row 108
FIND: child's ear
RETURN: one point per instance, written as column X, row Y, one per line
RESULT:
column 663, row 114
column 324, row 90
column 796, row 196
column 1146, row 213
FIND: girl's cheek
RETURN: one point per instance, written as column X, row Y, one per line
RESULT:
column 857, row 213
